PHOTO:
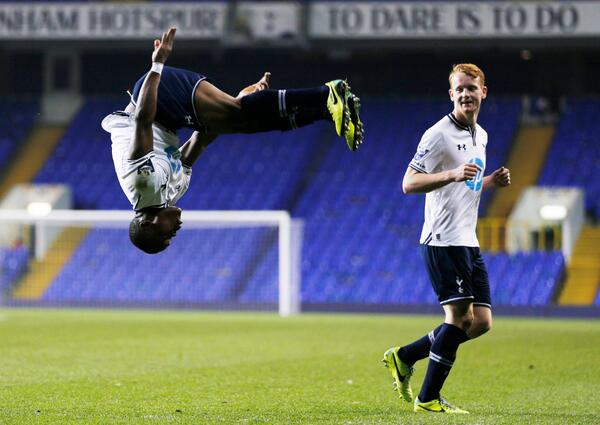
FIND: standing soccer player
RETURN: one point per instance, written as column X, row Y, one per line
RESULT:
column 449, row 167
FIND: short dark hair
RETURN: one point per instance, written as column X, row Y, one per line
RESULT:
column 144, row 237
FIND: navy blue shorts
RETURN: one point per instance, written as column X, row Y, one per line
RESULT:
column 175, row 103
column 457, row 273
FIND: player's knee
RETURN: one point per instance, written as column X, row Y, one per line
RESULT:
column 229, row 111
column 466, row 321
column 486, row 325
column 483, row 327
column 463, row 321
column 480, row 327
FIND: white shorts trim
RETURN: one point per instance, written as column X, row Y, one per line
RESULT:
column 456, row 299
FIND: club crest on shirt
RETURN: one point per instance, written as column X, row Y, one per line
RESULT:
column 146, row 168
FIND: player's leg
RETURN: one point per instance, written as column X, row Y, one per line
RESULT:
column 464, row 320
column 259, row 111
column 450, row 271
column 289, row 122
column 217, row 110
column 482, row 321
column 459, row 317
column 400, row 362
column 223, row 113
column 482, row 303
column 267, row 110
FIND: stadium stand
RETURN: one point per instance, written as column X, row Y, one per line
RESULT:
column 13, row 264
column 21, row 116
column 361, row 231
column 82, row 159
column 213, row 276
column 18, row 117
column 573, row 157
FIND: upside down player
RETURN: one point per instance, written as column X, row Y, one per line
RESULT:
column 154, row 172
column 448, row 167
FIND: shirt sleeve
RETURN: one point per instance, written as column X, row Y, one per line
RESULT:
column 429, row 153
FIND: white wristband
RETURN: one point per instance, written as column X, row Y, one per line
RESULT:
column 157, row 67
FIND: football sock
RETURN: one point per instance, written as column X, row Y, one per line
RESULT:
column 300, row 119
column 441, row 359
column 295, row 100
column 268, row 105
column 419, row 349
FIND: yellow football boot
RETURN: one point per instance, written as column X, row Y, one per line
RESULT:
column 401, row 372
column 438, row 406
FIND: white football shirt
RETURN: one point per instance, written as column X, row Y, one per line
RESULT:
column 451, row 211
column 158, row 179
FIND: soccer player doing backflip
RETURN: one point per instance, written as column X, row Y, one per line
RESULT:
column 154, row 171
column 449, row 167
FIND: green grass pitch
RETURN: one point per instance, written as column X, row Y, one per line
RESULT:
column 160, row 367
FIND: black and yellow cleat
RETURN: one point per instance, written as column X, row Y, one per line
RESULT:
column 355, row 135
column 336, row 105
column 344, row 107
column 401, row 372
column 438, row 406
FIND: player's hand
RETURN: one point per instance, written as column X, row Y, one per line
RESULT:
column 164, row 46
column 262, row 84
column 465, row 172
column 501, row 177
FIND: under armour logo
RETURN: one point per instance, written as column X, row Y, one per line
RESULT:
column 459, row 282
column 188, row 119
column 463, row 146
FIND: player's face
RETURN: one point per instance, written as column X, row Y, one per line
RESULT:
column 166, row 223
column 466, row 94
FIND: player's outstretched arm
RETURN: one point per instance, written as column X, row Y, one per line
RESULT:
column 262, row 84
column 146, row 108
column 499, row 178
column 416, row 182
column 194, row 146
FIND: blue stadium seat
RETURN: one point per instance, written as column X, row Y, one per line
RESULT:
column 21, row 115
column 573, row 159
column 13, row 265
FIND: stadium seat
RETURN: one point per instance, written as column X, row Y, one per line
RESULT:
column 21, row 115
column 573, row 156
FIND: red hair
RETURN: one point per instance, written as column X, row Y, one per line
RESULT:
column 469, row 69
